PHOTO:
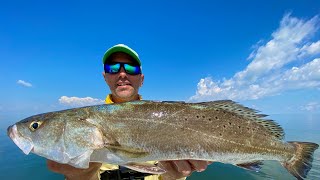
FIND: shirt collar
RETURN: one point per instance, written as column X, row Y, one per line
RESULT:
column 109, row 99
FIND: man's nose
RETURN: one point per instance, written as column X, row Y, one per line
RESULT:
column 122, row 72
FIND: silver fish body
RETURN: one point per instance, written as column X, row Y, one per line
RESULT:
column 134, row 132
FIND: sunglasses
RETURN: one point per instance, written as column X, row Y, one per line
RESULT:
column 128, row 68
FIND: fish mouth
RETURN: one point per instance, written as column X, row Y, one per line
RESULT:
column 23, row 143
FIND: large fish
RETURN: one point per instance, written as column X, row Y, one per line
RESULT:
column 134, row 132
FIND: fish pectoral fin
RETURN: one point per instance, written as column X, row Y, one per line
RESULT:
column 127, row 151
column 81, row 161
column 252, row 166
column 145, row 168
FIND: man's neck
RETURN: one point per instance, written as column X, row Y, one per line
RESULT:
column 120, row 100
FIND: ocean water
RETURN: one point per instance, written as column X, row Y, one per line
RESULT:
column 298, row 127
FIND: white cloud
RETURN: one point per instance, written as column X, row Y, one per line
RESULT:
column 24, row 83
column 311, row 106
column 77, row 102
column 310, row 49
column 272, row 69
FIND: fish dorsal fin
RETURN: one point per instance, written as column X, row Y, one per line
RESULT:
column 248, row 113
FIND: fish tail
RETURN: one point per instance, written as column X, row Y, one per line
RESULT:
column 300, row 164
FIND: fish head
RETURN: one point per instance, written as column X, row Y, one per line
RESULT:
column 61, row 136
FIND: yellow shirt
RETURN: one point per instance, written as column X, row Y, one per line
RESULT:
column 108, row 167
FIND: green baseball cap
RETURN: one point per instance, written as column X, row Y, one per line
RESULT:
column 121, row 48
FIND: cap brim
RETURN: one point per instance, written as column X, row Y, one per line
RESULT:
column 121, row 48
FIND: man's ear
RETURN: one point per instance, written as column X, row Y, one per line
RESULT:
column 104, row 76
column 142, row 79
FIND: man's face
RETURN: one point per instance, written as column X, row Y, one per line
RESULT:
column 123, row 86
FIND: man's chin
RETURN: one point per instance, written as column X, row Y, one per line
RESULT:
column 125, row 95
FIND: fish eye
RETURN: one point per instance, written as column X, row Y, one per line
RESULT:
column 35, row 125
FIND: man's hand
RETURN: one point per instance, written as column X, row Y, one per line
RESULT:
column 182, row 168
column 72, row 173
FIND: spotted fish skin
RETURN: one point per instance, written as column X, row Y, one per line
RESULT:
column 142, row 131
column 203, row 127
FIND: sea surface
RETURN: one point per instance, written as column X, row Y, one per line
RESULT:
column 298, row 127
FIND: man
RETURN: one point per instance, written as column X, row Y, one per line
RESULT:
column 123, row 74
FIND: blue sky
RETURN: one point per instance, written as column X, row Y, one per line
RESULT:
column 264, row 54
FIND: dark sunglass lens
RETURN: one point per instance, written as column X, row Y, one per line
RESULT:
column 132, row 69
column 112, row 68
